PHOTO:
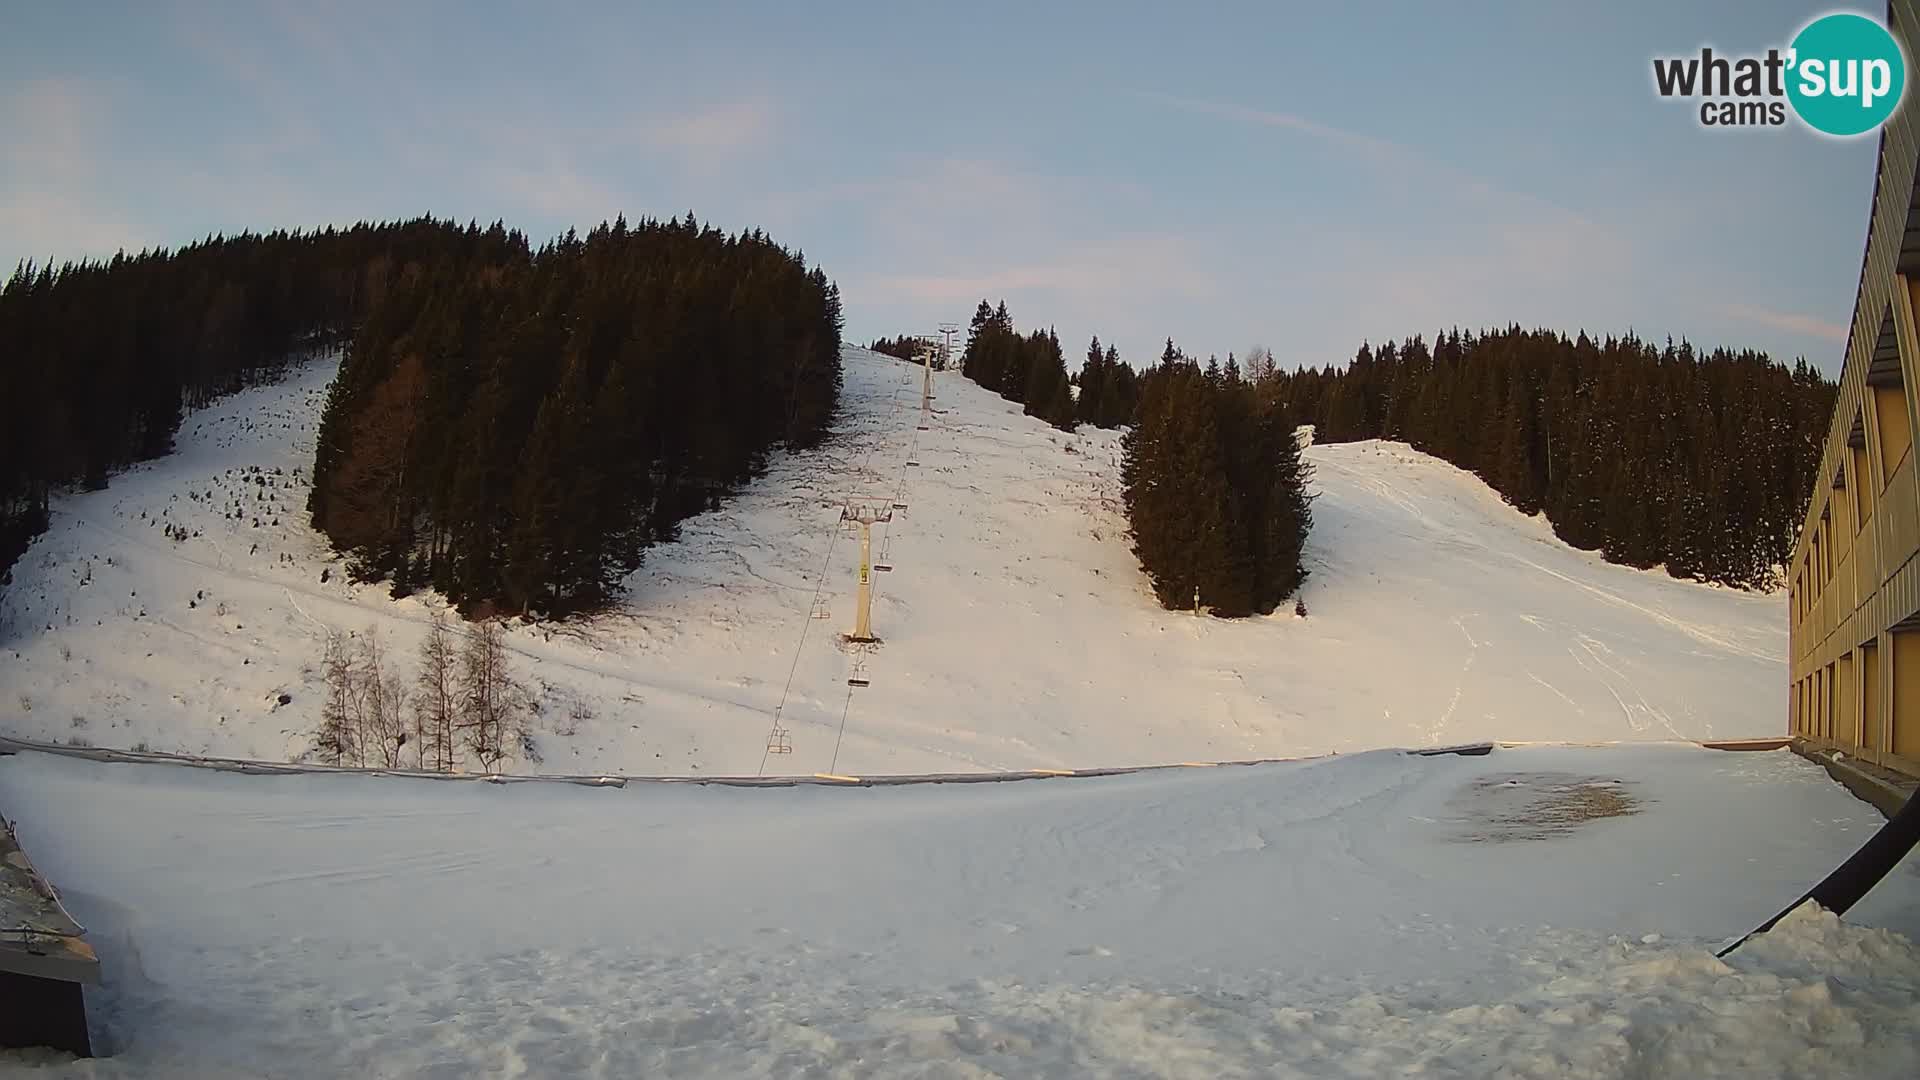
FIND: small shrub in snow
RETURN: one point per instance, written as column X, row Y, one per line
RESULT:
column 577, row 713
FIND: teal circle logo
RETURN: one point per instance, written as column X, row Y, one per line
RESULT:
column 1845, row 74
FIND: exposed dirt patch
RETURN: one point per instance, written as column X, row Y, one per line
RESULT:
column 1537, row 805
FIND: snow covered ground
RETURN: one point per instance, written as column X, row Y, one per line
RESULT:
column 1018, row 631
column 1541, row 911
column 1378, row 914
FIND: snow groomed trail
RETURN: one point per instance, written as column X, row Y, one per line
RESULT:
column 1370, row 914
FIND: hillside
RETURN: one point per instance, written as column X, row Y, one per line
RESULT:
column 1017, row 629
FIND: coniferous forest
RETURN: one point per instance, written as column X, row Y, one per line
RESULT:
column 1702, row 461
column 1214, row 485
column 98, row 360
column 514, row 426
column 900, row 348
column 517, row 433
column 1026, row 369
column 1216, row 490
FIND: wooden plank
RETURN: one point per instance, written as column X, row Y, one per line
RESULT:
column 1772, row 742
column 62, row 959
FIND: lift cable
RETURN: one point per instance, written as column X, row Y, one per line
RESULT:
column 776, row 732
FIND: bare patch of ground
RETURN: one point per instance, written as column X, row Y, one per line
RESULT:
column 1536, row 805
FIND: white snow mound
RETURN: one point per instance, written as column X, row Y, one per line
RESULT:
column 1342, row 917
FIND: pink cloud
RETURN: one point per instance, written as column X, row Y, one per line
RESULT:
column 1791, row 322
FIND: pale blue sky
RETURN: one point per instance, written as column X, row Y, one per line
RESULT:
column 1301, row 175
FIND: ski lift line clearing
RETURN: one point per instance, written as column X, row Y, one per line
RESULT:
column 816, row 610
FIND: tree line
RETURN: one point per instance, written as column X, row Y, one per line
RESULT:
column 608, row 386
column 99, row 358
column 1031, row 370
column 1699, row 460
column 1215, row 489
column 905, row 347
column 517, row 429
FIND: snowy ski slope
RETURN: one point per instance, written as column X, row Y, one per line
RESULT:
column 1537, row 912
column 1017, row 629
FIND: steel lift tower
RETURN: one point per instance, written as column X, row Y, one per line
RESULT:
column 866, row 517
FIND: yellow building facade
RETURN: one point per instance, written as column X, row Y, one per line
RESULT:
column 1854, row 583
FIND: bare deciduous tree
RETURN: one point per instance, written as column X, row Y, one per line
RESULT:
column 383, row 726
column 492, row 714
column 338, row 733
column 1259, row 363
column 436, row 704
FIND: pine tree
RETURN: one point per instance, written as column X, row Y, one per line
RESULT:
column 1093, row 384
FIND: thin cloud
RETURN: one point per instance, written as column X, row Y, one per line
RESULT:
column 1384, row 149
column 1790, row 322
column 54, row 152
column 1378, row 152
column 559, row 190
column 716, row 130
column 1116, row 272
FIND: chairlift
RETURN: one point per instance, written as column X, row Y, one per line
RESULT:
column 778, row 742
column 858, row 680
column 913, row 464
column 883, row 568
column 899, row 506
